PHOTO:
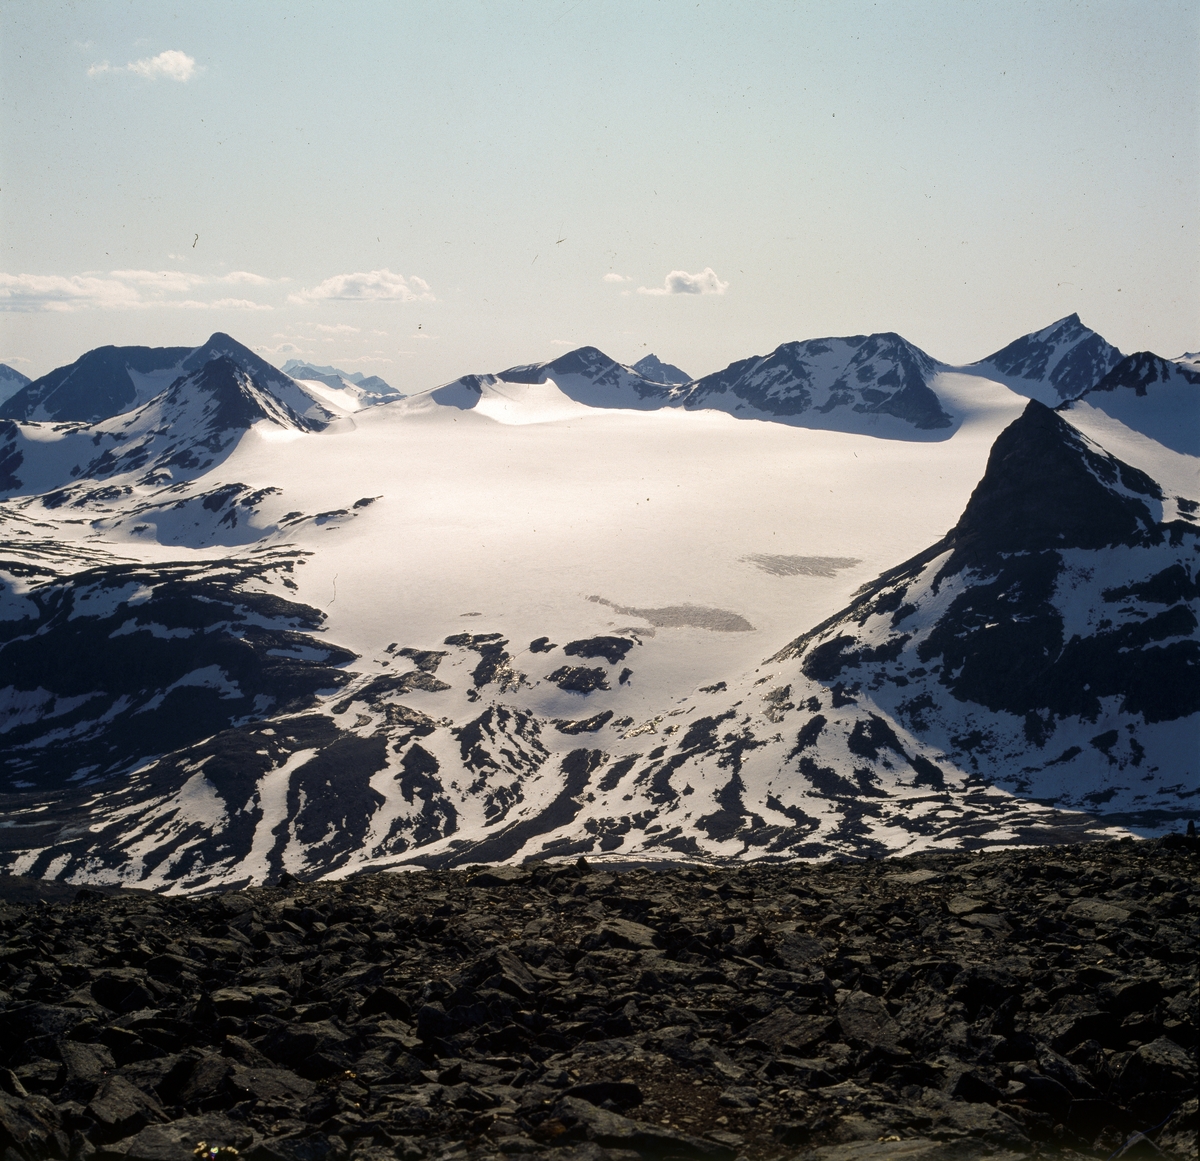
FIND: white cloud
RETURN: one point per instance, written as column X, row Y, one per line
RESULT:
column 176, row 281
column 681, row 282
column 33, row 292
column 340, row 329
column 371, row 286
column 611, row 277
column 119, row 290
column 234, row 304
column 244, row 276
column 172, row 64
column 561, row 343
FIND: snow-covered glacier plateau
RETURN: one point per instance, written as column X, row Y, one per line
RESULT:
column 837, row 600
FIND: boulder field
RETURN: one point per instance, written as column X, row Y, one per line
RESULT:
column 938, row 1007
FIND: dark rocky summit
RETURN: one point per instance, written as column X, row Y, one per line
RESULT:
column 946, row 1006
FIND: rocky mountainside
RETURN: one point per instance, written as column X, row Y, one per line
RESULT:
column 105, row 667
column 821, row 381
column 1034, row 668
column 1060, row 617
column 944, row 1007
column 179, row 434
column 101, row 383
column 111, row 381
column 1057, row 363
column 1160, row 398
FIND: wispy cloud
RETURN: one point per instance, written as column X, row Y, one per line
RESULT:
column 121, row 290
column 340, row 329
column 613, row 277
column 368, row 286
column 171, row 65
column 33, row 292
column 162, row 281
column 681, row 282
column 244, row 277
column 232, row 304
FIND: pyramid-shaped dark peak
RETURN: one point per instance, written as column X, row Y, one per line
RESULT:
column 1047, row 487
column 237, row 399
column 1070, row 325
column 653, row 368
column 220, row 344
column 1142, row 369
column 1066, row 356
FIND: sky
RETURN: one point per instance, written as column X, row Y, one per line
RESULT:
column 422, row 190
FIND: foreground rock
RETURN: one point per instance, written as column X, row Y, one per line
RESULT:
column 938, row 1007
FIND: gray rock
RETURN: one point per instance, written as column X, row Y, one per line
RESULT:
column 865, row 1020
column 179, row 1140
column 614, row 1131
column 122, row 1109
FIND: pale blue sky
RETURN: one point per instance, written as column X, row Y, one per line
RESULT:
column 960, row 173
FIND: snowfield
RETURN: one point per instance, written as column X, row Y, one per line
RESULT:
column 548, row 611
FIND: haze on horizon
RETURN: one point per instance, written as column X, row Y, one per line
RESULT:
column 428, row 189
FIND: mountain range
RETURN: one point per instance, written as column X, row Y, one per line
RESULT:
column 545, row 611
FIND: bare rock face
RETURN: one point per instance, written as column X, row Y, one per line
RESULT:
column 941, row 1007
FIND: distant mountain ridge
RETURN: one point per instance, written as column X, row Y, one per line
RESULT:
column 841, row 384
column 336, row 378
column 880, row 384
column 11, row 381
column 1157, row 397
column 652, row 367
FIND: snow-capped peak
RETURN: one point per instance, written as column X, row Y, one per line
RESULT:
column 844, row 383
column 110, row 381
column 652, row 367
column 1059, row 362
column 179, row 434
column 586, row 375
